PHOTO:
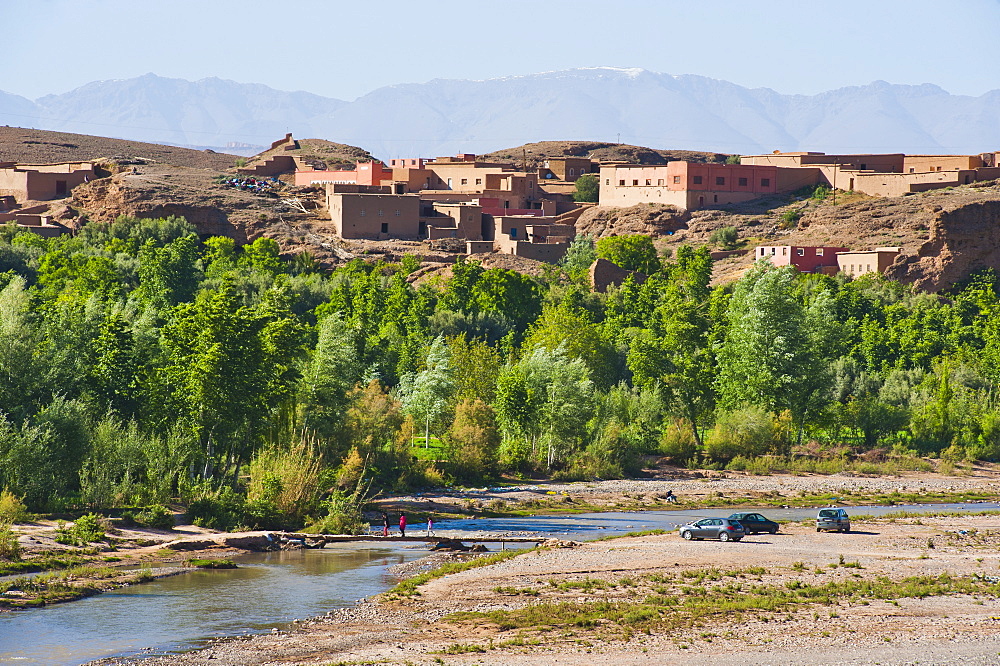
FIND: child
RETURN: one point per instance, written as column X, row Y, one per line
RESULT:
column 385, row 523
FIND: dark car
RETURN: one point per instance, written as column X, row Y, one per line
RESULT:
column 754, row 523
column 835, row 520
column 722, row 529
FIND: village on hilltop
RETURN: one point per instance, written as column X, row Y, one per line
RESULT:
column 497, row 207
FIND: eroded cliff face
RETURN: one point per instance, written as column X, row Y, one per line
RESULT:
column 651, row 219
column 160, row 191
column 963, row 238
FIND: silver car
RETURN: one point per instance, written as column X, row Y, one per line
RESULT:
column 722, row 529
column 834, row 520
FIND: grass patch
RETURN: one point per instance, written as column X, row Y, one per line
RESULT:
column 210, row 564
column 627, row 535
column 408, row 587
column 69, row 585
column 686, row 602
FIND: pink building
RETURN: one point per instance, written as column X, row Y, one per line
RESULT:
column 687, row 185
column 363, row 173
column 808, row 259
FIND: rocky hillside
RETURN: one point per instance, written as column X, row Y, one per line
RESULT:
column 944, row 235
column 322, row 153
column 533, row 154
column 41, row 147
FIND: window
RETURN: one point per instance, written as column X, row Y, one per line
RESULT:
column 479, row 181
column 413, row 161
column 696, row 180
column 774, row 251
column 819, row 252
column 621, row 183
column 800, row 251
column 743, row 182
column 715, row 199
column 635, row 182
column 762, row 252
column 677, row 179
column 513, row 232
column 572, row 171
column 649, row 181
column 720, row 180
column 911, row 169
column 380, row 212
column 397, row 212
column 607, row 181
column 765, row 182
column 465, row 181
column 863, row 166
column 449, row 183
column 362, row 213
column 385, row 227
column 784, row 251
column 869, row 267
column 659, row 181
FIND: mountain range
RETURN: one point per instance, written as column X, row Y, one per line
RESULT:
column 443, row 117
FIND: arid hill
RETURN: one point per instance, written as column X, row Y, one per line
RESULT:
column 323, row 153
column 944, row 235
column 533, row 154
column 42, row 147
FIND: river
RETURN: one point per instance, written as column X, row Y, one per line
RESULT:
column 269, row 590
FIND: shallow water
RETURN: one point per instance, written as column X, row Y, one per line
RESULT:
column 272, row 589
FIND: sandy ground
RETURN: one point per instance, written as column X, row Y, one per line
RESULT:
column 939, row 630
column 931, row 630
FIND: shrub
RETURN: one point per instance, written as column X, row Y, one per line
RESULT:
column 586, row 466
column 12, row 509
column 156, row 516
column 10, row 549
column 820, row 192
column 343, row 515
column 747, row 432
column 86, row 529
column 286, row 478
column 677, row 442
column 222, row 510
column 725, row 237
column 790, row 219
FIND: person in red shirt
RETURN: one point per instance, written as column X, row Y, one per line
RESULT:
column 402, row 524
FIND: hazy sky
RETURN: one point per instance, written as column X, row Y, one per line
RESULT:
column 345, row 49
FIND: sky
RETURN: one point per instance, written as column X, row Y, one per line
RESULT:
column 342, row 49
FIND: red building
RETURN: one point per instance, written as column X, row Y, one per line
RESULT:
column 808, row 259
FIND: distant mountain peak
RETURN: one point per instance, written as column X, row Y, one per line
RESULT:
column 604, row 103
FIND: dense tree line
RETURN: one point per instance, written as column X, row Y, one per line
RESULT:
column 142, row 365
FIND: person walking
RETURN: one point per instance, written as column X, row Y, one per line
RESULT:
column 385, row 523
column 430, row 526
column 402, row 524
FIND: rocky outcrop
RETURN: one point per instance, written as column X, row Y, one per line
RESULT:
column 963, row 239
column 604, row 273
column 651, row 219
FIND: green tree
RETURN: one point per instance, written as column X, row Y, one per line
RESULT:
column 634, row 252
column 588, row 188
column 427, row 395
column 769, row 357
column 579, row 257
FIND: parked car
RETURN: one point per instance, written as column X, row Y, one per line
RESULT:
column 722, row 529
column 835, row 520
column 754, row 523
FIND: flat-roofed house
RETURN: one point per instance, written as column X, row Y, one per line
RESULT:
column 863, row 262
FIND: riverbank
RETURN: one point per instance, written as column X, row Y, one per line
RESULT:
column 894, row 590
column 697, row 489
